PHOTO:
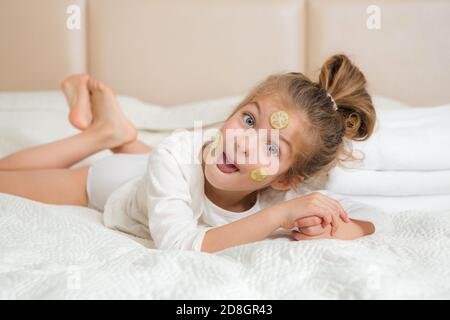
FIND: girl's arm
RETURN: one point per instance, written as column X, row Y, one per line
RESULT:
column 354, row 229
column 260, row 225
column 253, row 228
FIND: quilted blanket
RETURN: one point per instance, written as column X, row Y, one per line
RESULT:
column 65, row 252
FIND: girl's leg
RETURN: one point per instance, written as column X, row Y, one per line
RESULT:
column 37, row 173
column 76, row 89
column 51, row 186
column 59, row 154
column 109, row 129
column 135, row 146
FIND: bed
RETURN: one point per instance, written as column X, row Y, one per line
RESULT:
column 65, row 252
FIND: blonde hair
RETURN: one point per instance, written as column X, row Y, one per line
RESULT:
column 327, row 132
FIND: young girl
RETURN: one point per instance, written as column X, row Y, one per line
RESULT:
column 210, row 205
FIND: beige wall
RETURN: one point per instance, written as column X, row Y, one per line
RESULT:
column 36, row 49
column 176, row 51
column 408, row 58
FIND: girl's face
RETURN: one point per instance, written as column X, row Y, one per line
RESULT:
column 251, row 153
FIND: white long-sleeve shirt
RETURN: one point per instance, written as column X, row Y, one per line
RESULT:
column 168, row 204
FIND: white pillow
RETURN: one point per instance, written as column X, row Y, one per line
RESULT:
column 152, row 117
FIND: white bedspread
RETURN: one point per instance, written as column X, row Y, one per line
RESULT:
column 65, row 252
column 50, row 251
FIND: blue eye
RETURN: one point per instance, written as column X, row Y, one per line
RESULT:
column 273, row 149
column 249, row 120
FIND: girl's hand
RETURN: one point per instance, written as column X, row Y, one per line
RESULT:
column 313, row 204
column 352, row 230
column 311, row 226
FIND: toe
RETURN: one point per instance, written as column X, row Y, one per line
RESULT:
column 65, row 83
column 97, row 85
column 84, row 77
column 91, row 84
column 100, row 85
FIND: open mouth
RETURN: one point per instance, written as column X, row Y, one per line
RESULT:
column 227, row 166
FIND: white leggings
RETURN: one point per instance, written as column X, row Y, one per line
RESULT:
column 109, row 173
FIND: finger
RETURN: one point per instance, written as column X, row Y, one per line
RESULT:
column 335, row 224
column 295, row 234
column 326, row 218
column 343, row 214
column 326, row 203
column 309, row 221
column 323, row 211
column 299, row 236
column 303, row 237
column 327, row 232
column 335, row 210
column 335, row 207
column 344, row 217
column 313, row 231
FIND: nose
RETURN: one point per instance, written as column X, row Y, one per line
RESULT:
column 241, row 145
column 246, row 144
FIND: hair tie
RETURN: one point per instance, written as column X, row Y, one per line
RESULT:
column 335, row 107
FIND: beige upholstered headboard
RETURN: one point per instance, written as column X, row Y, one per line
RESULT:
column 175, row 51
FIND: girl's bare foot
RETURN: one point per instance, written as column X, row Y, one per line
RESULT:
column 77, row 94
column 107, row 116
